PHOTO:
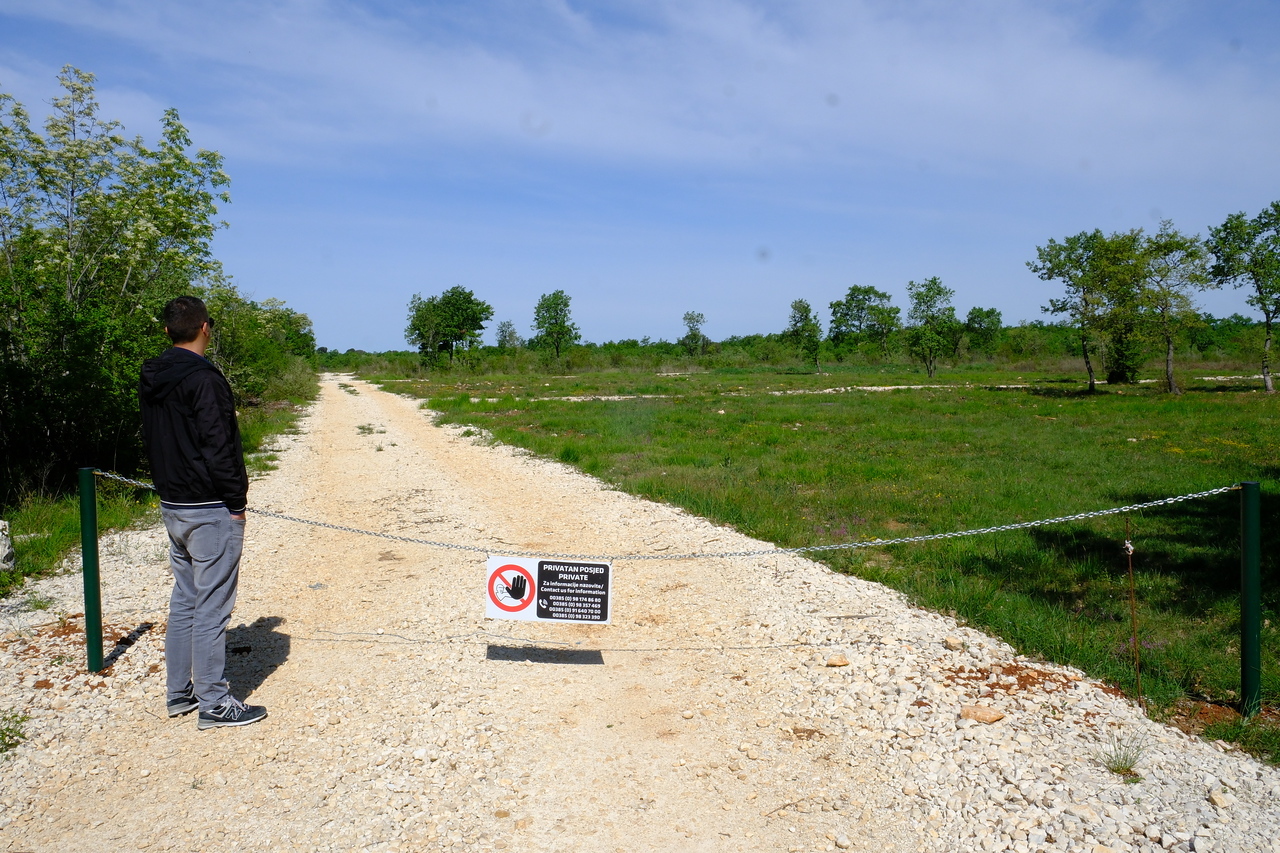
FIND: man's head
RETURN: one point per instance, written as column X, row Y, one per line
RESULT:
column 184, row 317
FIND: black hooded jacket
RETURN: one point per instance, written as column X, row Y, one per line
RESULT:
column 190, row 432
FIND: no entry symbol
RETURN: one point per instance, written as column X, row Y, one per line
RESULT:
column 511, row 588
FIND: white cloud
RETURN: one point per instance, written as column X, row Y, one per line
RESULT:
column 974, row 88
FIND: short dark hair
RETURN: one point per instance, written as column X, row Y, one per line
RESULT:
column 183, row 318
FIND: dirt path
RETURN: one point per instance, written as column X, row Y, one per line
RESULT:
column 704, row 718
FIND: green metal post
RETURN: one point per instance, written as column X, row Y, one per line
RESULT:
column 1250, row 599
column 92, row 583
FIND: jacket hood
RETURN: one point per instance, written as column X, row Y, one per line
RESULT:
column 162, row 374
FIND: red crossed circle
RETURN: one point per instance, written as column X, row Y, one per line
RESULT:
column 496, row 578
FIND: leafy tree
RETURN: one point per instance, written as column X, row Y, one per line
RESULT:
column 864, row 316
column 1176, row 264
column 694, row 342
column 508, row 338
column 983, row 327
column 933, row 322
column 439, row 324
column 553, row 323
column 1120, row 267
column 97, row 233
column 804, row 331
column 253, row 342
column 424, row 329
column 1104, row 276
column 1071, row 263
column 1247, row 252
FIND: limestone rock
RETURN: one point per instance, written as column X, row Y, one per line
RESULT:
column 837, row 660
column 981, row 713
column 1219, row 799
column 954, row 644
column 6, row 548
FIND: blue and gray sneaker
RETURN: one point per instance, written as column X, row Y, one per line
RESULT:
column 184, row 704
column 230, row 712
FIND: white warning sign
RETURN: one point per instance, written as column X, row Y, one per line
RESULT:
column 547, row 590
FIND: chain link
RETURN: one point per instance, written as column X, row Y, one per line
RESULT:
column 699, row 555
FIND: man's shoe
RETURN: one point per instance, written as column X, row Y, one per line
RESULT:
column 184, row 704
column 231, row 712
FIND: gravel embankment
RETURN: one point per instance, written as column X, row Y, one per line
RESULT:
column 734, row 704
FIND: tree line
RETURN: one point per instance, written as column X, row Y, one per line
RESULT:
column 1126, row 294
column 97, row 232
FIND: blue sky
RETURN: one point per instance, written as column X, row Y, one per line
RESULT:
column 652, row 158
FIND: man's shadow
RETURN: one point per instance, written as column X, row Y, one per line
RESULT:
column 254, row 652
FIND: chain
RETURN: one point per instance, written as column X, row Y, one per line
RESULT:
column 697, row 555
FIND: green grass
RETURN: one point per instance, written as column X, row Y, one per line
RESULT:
column 12, row 732
column 55, row 524
column 811, row 469
column 1256, row 736
column 296, row 387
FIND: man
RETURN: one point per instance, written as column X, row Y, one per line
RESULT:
column 191, row 436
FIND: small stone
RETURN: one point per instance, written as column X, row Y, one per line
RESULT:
column 980, row 713
column 1085, row 813
column 953, row 644
column 334, row 719
column 1218, row 799
column 843, row 842
column 7, row 559
column 837, row 660
column 502, row 813
column 688, row 715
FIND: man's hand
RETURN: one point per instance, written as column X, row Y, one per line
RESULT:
column 238, row 516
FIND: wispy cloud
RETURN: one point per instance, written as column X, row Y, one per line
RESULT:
column 970, row 87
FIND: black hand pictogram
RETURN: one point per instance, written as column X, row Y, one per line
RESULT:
column 519, row 586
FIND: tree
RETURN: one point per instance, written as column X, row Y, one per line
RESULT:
column 424, row 329
column 864, row 316
column 97, row 233
column 508, row 338
column 1070, row 263
column 1104, row 276
column 983, row 326
column 1176, row 265
column 553, row 323
column 440, row 323
column 932, row 321
column 694, row 342
column 1120, row 268
column 1247, row 252
column 804, row 331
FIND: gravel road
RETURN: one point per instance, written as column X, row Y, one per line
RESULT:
column 734, row 704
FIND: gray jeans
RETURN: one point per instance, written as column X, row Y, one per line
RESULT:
column 205, row 544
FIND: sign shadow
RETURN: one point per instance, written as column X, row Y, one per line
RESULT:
column 538, row 654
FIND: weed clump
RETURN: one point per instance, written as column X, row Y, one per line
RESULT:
column 11, row 730
column 1122, row 754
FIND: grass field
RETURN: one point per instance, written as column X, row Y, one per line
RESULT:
column 744, row 448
